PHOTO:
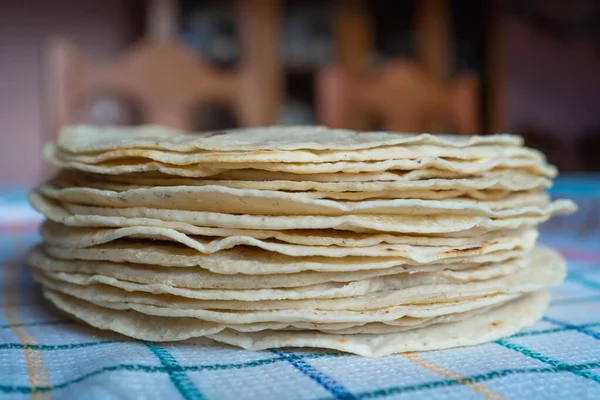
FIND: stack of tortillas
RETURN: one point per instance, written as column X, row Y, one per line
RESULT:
column 369, row 243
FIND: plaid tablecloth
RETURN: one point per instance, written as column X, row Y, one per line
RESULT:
column 42, row 354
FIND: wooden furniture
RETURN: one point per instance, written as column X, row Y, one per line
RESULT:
column 404, row 95
column 166, row 81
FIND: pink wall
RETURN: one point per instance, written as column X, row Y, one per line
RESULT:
column 99, row 27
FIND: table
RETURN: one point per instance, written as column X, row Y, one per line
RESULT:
column 42, row 354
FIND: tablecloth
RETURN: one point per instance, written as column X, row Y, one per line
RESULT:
column 45, row 355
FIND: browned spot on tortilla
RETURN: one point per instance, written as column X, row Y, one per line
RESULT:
column 341, row 341
column 459, row 251
column 497, row 324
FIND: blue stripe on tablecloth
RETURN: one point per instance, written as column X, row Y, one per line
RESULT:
column 579, row 329
column 325, row 381
column 583, row 281
column 547, row 360
column 179, row 378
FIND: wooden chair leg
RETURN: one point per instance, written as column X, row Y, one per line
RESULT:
column 261, row 82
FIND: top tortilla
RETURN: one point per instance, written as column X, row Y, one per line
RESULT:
column 81, row 138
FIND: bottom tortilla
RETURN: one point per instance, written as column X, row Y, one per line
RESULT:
column 494, row 324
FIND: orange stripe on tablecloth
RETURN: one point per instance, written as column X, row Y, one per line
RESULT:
column 36, row 368
column 477, row 387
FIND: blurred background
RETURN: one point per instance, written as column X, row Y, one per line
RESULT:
column 530, row 67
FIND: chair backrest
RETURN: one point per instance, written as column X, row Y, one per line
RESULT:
column 167, row 82
column 404, row 95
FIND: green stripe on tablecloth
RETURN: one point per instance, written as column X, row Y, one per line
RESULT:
column 554, row 330
column 37, row 323
column 384, row 392
column 547, row 360
column 20, row 346
column 153, row 369
column 182, row 382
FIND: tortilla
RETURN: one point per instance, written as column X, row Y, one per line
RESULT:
column 63, row 236
column 222, row 199
column 483, row 327
column 198, row 278
column 76, row 215
column 404, row 290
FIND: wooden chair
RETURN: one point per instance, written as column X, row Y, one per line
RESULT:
column 166, row 81
column 402, row 97
column 405, row 95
